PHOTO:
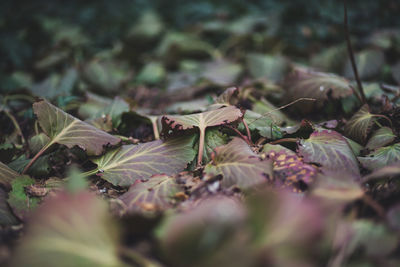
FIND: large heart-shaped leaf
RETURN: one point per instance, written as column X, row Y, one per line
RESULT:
column 381, row 157
column 358, row 127
column 67, row 130
column 124, row 165
column 239, row 165
column 152, row 195
column 69, row 230
column 201, row 121
column 320, row 86
column 330, row 150
column 7, row 175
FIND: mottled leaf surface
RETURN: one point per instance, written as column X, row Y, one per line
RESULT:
column 239, row 165
column 155, row 194
column 69, row 230
column 381, row 157
column 330, row 150
column 124, row 165
column 67, row 130
column 20, row 203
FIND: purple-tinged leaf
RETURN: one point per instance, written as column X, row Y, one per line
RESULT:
column 330, row 150
column 124, row 165
column 384, row 172
column 67, row 130
column 69, row 230
column 239, row 165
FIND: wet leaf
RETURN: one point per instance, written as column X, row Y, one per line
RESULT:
column 124, row 165
column 155, row 194
column 7, row 175
column 330, row 150
column 381, row 157
column 201, row 121
column 67, row 130
column 383, row 136
column 69, row 230
column 358, row 127
column 239, row 165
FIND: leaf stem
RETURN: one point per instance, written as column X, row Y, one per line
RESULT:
column 201, row 145
column 155, row 130
column 239, row 133
column 37, row 156
column 247, row 130
column 351, row 55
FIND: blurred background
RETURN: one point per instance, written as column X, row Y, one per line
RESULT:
column 106, row 46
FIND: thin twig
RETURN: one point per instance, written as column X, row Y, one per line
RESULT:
column 351, row 55
column 284, row 140
column 374, row 205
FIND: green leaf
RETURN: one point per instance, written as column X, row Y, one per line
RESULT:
column 6, row 216
column 152, row 73
column 124, row 165
column 155, row 194
column 222, row 72
column 358, row 127
column 37, row 142
column 172, row 124
column 330, row 150
column 381, row 137
column 18, row 200
column 273, row 68
column 265, row 125
column 69, row 230
column 7, row 175
column 213, row 139
column 239, row 165
column 67, row 130
column 381, row 157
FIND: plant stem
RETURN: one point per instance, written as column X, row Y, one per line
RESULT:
column 155, row 130
column 239, row 133
column 37, row 156
column 247, row 130
column 201, row 146
column 284, row 140
column 351, row 55
column 16, row 125
column 89, row 173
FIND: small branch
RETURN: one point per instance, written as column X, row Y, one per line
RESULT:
column 351, row 55
column 37, row 156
